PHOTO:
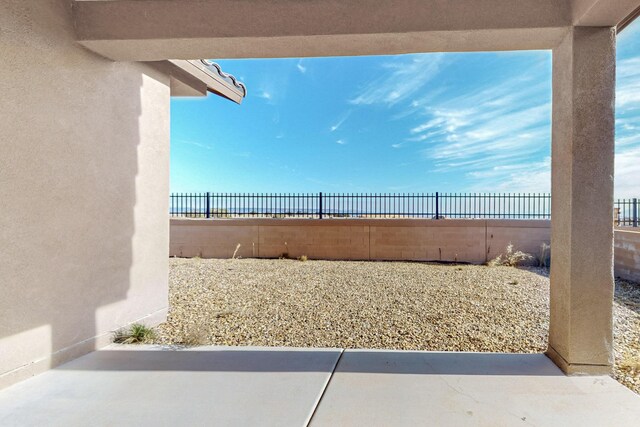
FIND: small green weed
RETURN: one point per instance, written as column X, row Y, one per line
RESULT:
column 134, row 334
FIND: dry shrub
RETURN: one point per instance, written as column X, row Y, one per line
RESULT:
column 510, row 258
column 544, row 257
column 194, row 337
column 630, row 363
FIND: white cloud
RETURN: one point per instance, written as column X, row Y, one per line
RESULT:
column 627, row 173
column 340, row 121
column 272, row 85
column 490, row 135
column 476, row 134
column 406, row 76
column 194, row 143
column 301, row 67
column 628, row 83
column 627, row 163
column 632, row 139
column 524, row 177
column 265, row 95
column 341, row 142
column 428, row 125
column 535, row 177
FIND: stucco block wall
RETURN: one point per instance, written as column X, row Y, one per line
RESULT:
column 627, row 254
column 209, row 241
column 474, row 241
column 461, row 240
column 420, row 240
column 525, row 235
column 84, row 160
column 323, row 241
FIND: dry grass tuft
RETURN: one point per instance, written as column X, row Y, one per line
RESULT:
column 510, row 258
column 236, row 251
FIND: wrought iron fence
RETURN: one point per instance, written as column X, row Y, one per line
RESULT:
column 625, row 212
column 378, row 205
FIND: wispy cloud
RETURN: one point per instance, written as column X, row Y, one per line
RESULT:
column 478, row 133
column 524, row 177
column 194, row 143
column 628, row 82
column 627, row 163
column 515, row 173
column 399, row 80
column 341, row 142
column 340, row 121
column 627, row 169
column 301, row 67
column 272, row 84
column 264, row 95
column 489, row 135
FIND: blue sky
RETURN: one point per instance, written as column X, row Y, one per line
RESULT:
column 450, row 122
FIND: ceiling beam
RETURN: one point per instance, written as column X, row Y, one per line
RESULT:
column 603, row 13
column 186, row 29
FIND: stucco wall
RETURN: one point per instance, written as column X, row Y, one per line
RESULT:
column 84, row 161
column 627, row 254
column 357, row 239
column 463, row 240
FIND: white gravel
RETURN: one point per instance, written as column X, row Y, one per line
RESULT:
column 391, row 305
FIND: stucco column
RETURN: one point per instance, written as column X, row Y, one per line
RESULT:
column 580, row 331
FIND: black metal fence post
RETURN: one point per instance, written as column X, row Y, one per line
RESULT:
column 635, row 212
column 208, row 204
column 437, row 206
column 320, row 206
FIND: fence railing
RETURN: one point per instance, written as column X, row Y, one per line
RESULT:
column 625, row 212
column 360, row 205
column 378, row 205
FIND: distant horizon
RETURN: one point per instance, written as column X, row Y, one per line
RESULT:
column 419, row 123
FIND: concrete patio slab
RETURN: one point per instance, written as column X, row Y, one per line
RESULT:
column 425, row 388
column 149, row 385
column 249, row 386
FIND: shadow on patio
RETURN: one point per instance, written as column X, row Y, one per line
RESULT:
column 249, row 359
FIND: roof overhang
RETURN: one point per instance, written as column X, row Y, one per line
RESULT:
column 213, row 77
column 196, row 78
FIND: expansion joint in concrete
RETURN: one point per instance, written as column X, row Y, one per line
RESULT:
column 324, row 389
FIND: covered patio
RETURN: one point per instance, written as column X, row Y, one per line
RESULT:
column 95, row 121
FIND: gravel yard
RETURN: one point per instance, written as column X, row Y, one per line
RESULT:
column 393, row 305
